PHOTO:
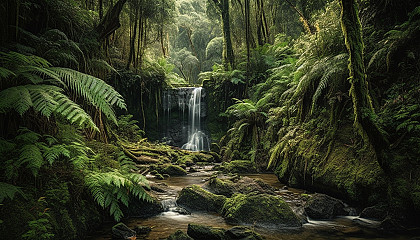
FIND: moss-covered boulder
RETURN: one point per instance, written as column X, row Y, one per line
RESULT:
column 241, row 232
column 205, row 233
column 187, row 160
column 321, row 206
column 228, row 187
column 179, row 235
column 262, row 210
column 218, row 186
column 174, row 170
column 196, row 198
column 239, row 166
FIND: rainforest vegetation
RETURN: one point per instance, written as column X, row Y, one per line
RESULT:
column 324, row 94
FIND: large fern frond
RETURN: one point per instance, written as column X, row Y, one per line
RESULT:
column 9, row 191
column 94, row 90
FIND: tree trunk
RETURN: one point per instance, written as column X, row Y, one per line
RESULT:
column 362, row 105
column 110, row 22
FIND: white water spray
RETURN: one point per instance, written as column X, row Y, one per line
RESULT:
column 197, row 139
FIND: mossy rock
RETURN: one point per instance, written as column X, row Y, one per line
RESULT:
column 196, row 198
column 187, row 160
column 242, row 232
column 240, row 166
column 174, row 170
column 220, row 187
column 261, row 210
column 205, row 233
column 179, row 235
column 141, row 208
column 321, row 206
column 204, row 157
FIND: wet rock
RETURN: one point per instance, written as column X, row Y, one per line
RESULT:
column 121, row 231
column 241, row 232
column 179, row 235
column 321, row 206
column 220, row 187
column 244, row 185
column 140, row 208
column 239, row 166
column 392, row 225
column 174, row 170
column 260, row 210
column 142, row 230
column 374, row 212
column 201, row 232
column 157, row 187
column 196, row 198
column 182, row 211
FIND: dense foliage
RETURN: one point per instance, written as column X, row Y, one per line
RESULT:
column 324, row 93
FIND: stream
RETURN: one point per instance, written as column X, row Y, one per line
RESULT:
column 166, row 223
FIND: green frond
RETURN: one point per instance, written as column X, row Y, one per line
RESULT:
column 100, row 65
column 31, row 156
column 52, row 154
column 93, row 89
column 9, row 191
column 110, row 189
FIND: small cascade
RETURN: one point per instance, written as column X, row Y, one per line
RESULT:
column 197, row 139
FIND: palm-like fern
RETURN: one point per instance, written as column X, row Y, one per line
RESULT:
column 42, row 90
column 110, row 189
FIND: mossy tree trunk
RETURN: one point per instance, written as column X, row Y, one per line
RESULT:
column 228, row 57
column 362, row 105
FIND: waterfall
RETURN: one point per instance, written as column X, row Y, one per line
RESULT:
column 197, row 139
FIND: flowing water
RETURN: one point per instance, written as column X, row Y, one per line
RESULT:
column 166, row 223
column 184, row 128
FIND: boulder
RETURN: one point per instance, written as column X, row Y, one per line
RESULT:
column 142, row 230
column 179, row 235
column 196, row 198
column 220, row 187
column 173, row 170
column 374, row 212
column 244, row 185
column 141, row 208
column 241, row 232
column 121, row 231
column 201, row 232
column 262, row 210
column 321, row 206
column 239, row 166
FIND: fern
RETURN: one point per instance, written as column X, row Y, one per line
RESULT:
column 93, row 89
column 110, row 189
column 9, row 191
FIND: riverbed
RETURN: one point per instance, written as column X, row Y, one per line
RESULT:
column 166, row 223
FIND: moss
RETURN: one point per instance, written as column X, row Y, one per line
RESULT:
column 174, row 170
column 239, row 166
column 260, row 210
column 179, row 235
column 187, row 160
column 196, row 198
column 205, row 233
column 221, row 187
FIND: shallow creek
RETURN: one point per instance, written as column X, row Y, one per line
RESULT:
column 166, row 223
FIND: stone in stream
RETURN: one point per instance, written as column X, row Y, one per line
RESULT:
column 121, row 231
column 142, row 230
column 244, row 185
column 179, row 235
column 174, row 170
column 205, row 233
column 374, row 212
column 321, row 206
column 261, row 210
column 196, row 198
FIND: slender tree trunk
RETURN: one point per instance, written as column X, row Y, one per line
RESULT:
column 362, row 105
column 305, row 21
column 101, row 9
column 132, row 54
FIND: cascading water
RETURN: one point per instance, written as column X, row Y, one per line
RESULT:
column 197, row 139
column 184, row 118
